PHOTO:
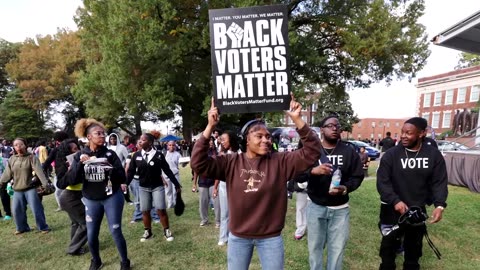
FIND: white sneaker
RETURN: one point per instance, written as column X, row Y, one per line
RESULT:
column 168, row 235
column 221, row 243
column 146, row 236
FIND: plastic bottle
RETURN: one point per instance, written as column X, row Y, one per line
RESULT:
column 336, row 177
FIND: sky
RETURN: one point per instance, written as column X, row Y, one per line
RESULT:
column 21, row 19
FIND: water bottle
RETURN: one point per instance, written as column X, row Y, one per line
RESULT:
column 336, row 177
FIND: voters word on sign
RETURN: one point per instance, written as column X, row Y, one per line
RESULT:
column 250, row 59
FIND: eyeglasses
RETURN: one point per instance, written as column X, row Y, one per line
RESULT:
column 331, row 126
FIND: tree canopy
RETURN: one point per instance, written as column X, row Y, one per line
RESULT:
column 336, row 102
column 468, row 60
column 46, row 68
column 18, row 119
column 8, row 52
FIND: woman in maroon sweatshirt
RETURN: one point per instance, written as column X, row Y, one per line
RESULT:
column 257, row 186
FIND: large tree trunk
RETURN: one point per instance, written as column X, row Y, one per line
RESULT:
column 138, row 126
column 187, row 125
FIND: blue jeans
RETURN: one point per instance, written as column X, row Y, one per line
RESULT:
column 327, row 228
column 20, row 201
column 113, row 208
column 137, row 214
column 270, row 251
column 223, row 199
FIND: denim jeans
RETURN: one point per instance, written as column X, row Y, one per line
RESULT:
column 112, row 207
column 223, row 200
column 20, row 201
column 137, row 214
column 270, row 251
column 327, row 228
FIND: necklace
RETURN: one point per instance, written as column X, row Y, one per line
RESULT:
column 418, row 151
column 325, row 149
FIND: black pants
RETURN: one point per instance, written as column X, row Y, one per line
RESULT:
column 5, row 201
column 70, row 201
column 412, row 241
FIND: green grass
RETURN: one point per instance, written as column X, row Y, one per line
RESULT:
column 194, row 247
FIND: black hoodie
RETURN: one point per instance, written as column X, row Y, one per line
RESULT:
column 95, row 177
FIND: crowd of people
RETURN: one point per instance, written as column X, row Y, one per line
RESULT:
column 240, row 176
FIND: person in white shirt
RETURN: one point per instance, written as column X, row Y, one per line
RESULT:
column 120, row 149
column 172, row 158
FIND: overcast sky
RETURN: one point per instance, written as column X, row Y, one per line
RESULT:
column 20, row 19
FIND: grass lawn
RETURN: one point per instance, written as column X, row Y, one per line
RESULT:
column 194, row 247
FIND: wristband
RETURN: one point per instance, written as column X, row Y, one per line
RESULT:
column 441, row 207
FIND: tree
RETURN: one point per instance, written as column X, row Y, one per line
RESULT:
column 8, row 52
column 159, row 50
column 18, row 119
column 468, row 60
column 45, row 69
column 333, row 101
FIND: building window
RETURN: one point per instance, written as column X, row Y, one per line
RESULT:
column 388, row 124
column 449, row 97
column 359, row 124
column 435, row 119
column 474, row 93
column 426, row 116
column 438, row 99
column 461, row 95
column 314, row 107
column 313, row 119
column 304, row 118
column 447, row 118
column 427, row 99
column 373, row 124
column 397, row 124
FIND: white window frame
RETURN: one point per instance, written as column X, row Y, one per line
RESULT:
column 425, row 99
column 474, row 93
column 461, row 95
column 437, row 97
column 446, row 120
column 449, row 97
column 426, row 116
column 435, row 119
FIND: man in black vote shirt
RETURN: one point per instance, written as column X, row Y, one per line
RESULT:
column 411, row 174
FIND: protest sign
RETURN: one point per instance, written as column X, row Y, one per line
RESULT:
column 250, row 59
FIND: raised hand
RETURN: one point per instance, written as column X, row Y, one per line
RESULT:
column 295, row 112
column 213, row 116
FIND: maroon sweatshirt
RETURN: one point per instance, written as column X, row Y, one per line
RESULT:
column 257, row 188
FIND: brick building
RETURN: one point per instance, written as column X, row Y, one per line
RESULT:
column 376, row 128
column 442, row 96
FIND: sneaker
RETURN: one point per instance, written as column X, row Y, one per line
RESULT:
column 146, row 236
column 7, row 218
column 94, row 265
column 203, row 223
column 125, row 265
column 45, row 231
column 79, row 252
column 168, row 235
column 221, row 243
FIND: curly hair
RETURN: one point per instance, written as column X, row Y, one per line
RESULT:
column 82, row 126
column 156, row 134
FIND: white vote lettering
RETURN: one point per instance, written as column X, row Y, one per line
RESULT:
column 414, row 163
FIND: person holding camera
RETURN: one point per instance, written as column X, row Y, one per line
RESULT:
column 411, row 175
